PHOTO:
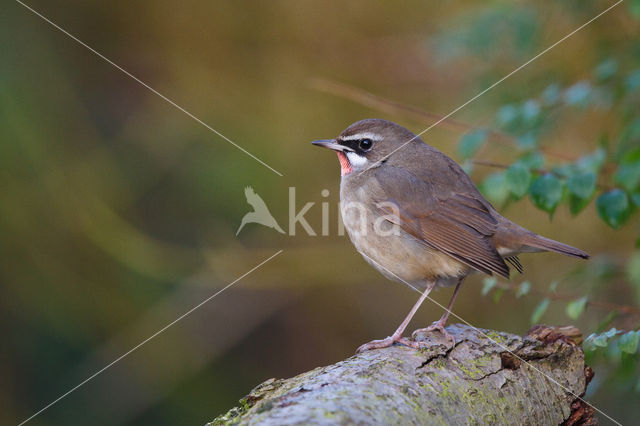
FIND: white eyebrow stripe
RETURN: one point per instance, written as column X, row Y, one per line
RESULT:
column 364, row 135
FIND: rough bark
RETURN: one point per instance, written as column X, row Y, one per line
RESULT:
column 487, row 377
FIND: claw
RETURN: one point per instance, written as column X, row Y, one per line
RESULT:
column 386, row 342
column 436, row 326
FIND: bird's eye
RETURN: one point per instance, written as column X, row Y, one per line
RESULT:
column 365, row 144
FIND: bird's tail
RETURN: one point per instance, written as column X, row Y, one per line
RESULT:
column 542, row 243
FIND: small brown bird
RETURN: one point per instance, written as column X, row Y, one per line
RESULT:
column 417, row 217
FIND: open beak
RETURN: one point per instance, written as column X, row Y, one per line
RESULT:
column 331, row 144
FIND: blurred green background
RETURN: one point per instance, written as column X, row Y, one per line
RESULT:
column 118, row 212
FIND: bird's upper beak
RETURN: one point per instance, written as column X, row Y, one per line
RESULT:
column 331, row 144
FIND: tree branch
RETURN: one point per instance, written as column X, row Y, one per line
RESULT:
column 487, row 377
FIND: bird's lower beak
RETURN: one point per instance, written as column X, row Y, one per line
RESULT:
column 331, row 144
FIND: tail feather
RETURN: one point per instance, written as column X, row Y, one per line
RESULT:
column 515, row 262
column 543, row 243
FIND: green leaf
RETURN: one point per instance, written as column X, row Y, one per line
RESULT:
column 497, row 295
column 578, row 94
column 588, row 345
column 634, row 8
column 614, row 207
column 613, row 354
column 530, row 110
column 594, row 161
column 471, row 142
column 523, row 289
column 606, row 69
column 518, row 179
column 610, row 333
column 628, row 342
column 600, row 341
column 595, row 341
column 551, row 94
column 633, row 269
column 527, row 141
column 507, row 117
column 576, row 205
column 628, row 175
column 487, row 284
column 563, row 171
column 576, row 307
column 467, row 166
column 629, row 135
column 546, row 192
column 635, row 198
column 495, row 187
column 582, row 185
column 581, row 188
column 533, row 160
column 632, row 82
column 539, row 311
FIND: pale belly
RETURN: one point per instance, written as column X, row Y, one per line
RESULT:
column 396, row 254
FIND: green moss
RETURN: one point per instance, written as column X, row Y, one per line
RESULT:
column 445, row 390
column 477, row 398
column 466, row 370
column 244, row 404
column 265, row 407
column 229, row 418
column 498, row 338
column 232, row 416
column 477, row 367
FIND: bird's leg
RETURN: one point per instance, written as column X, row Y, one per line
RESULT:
column 397, row 335
column 439, row 325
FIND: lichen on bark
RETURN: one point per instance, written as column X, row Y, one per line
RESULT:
column 486, row 377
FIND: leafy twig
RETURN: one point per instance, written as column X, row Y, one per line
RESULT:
column 397, row 108
column 623, row 309
column 600, row 185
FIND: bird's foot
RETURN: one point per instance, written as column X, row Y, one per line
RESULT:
column 436, row 326
column 386, row 342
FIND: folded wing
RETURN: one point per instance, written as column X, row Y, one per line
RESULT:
column 458, row 224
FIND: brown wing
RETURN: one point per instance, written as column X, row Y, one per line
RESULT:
column 515, row 262
column 456, row 223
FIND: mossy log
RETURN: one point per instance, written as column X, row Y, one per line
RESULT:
column 487, row 377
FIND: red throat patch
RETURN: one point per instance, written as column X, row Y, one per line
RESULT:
column 345, row 166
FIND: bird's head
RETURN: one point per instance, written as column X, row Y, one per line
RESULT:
column 248, row 192
column 367, row 143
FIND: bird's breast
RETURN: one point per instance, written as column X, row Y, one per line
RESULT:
column 395, row 253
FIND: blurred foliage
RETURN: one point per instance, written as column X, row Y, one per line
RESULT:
column 610, row 175
column 118, row 212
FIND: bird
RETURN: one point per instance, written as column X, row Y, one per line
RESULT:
column 415, row 215
column 260, row 213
